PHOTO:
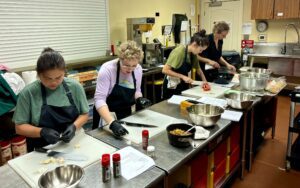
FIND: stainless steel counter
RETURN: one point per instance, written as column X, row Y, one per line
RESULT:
column 274, row 55
column 168, row 158
column 93, row 178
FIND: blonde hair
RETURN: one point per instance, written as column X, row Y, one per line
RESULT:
column 129, row 50
column 220, row 27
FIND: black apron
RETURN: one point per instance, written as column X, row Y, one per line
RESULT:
column 119, row 100
column 57, row 118
column 184, row 69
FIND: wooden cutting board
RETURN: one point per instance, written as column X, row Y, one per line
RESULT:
column 197, row 91
column 29, row 166
column 147, row 117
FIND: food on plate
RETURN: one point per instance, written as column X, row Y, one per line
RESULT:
column 179, row 132
column 206, row 87
column 276, row 85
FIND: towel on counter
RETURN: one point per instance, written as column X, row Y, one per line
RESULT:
column 201, row 133
column 172, row 82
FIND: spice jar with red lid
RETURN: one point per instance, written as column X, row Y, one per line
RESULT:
column 105, row 162
column 145, row 138
column 116, row 164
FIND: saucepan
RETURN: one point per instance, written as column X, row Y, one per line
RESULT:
column 180, row 134
column 223, row 76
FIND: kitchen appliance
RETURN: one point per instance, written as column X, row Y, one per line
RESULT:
column 136, row 27
column 205, row 115
column 152, row 54
column 252, row 81
column 63, row 176
column 180, row 141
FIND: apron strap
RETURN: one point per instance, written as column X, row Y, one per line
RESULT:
column 69, row 94
column 118, row 72
column 43, row 89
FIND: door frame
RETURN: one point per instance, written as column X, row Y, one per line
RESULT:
column 240, row 20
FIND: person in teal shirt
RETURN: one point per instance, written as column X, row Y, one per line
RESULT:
column 51, row 108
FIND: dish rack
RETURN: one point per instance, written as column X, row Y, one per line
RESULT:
column 293, row 148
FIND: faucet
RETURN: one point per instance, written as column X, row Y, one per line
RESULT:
column 283, row 50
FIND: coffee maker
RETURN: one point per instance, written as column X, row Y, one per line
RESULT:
column 136, row 27
column 152, row 54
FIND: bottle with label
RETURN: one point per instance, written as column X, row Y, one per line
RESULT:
column 105, row 162
column 145, row 135
column 116, row 165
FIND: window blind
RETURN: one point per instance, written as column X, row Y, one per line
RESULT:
column 77, row 28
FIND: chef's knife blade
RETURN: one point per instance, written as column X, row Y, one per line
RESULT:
column 137, row 124
column 66, row 156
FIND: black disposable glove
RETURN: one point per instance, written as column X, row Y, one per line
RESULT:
column 50, row 135
column 142, row 103
column 69, row 133
column 117, row 129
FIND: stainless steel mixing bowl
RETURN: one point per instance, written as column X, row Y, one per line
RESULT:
column 260, row 70
column 239, row 100
column 63, row 176
column 205, row 115
column 252, row 81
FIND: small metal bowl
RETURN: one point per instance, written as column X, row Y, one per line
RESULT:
column 205, row 115
column 239, row 100
column 63, row 176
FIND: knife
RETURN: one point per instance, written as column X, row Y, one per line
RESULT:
column 66, row 156
column 137, row 124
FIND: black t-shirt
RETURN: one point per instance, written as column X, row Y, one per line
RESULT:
column 211, row 52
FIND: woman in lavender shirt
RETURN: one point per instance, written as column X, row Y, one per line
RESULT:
column 119, row 88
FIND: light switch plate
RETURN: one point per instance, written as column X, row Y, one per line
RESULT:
column 262, row 37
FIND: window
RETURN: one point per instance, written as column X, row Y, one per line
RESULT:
column 77, row 28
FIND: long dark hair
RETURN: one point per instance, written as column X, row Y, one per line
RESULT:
column 200, row 38
column 49, row 60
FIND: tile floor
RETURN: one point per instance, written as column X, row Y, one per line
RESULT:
column 268, row 170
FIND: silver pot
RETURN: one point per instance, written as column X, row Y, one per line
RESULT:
column 252, row 81
column 205, row 115
column 260, row 70
column 239, row 100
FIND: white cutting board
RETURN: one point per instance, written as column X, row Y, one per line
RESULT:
column 197, row 91
column 29, row 166
column 147, row 117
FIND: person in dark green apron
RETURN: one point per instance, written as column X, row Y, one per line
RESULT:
column 119, row 89
column 180, row 62
column 213, row 54
column 52, row 108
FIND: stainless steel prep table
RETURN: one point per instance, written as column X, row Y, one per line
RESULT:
column 93, row 178
column 168, row 158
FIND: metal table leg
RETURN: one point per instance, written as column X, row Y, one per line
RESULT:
column 244, row 136
column 251, row 140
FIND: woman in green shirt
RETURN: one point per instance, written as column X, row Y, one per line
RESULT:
column 52, row 108
column 180, row 63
